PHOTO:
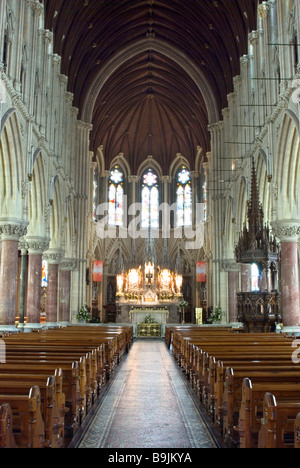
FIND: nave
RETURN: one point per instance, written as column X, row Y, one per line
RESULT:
column 148, row 405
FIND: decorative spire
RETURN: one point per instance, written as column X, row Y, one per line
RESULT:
column 256, row 245
column 255, row 211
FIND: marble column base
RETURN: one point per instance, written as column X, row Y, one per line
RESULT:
column 29, row 327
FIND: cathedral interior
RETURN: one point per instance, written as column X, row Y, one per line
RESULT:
column 149, row 164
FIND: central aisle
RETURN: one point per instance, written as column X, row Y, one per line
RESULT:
column 147, row 405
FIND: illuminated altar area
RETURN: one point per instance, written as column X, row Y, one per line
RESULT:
column 149, row 292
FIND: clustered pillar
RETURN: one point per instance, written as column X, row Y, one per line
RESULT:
column 21, row 280
column 289, row 233
column 10, row 235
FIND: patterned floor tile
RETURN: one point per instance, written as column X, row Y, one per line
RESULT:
column 148, row 405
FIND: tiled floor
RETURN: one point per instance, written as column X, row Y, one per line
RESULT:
column 148, row 405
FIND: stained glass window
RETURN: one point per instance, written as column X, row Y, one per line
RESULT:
column 150, row 200
column 184, row 197
column 44, row 274
column 116, row 197
column 254, row 277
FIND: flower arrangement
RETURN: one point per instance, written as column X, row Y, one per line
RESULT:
column 216, row 315
column 149, row 319
column 84, row 314
column 183, row 304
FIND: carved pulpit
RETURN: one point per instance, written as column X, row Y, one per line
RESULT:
column 259, row 310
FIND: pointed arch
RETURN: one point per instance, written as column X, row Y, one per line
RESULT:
column 12, row 168
column 287, row 171
column 150, row 162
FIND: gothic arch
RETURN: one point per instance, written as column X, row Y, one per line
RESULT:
column 165, row 49
column 121, row 161
column 150, row 162
column 287, row 171
column 177, row 163
column 11, row 167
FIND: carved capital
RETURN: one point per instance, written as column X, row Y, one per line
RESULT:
column 36, row 245
column 68, row 264
column 287, row 231
column 53, row 256
column 12, row 229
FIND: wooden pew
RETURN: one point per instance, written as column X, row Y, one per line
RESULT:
column 6, row 427
column 251, row 411
column 297, row 432
column 70, row 387
column 278, row 423
column 216, row 365
column 232, row 398
column 53, row 414
column 28, row 424
column 85, row 358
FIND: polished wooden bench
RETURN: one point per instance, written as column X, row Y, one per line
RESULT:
column 53, row 402
column 216, row 364
column 6, row 427
column 27, row 423
column 278, row 423
column 81, row 359
column 251, row 410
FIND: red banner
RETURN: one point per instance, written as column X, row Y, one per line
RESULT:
column 201, row 272
column 98, row 272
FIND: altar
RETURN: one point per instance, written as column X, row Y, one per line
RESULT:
column 149, row 317
column 149, row 294
column 137, row 315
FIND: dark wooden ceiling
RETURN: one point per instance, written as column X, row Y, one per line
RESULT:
column 158, row 98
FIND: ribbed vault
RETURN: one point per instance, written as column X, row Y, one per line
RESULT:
column 150, row 75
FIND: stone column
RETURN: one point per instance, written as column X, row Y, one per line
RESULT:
column 23, row 284
column 36, row 248
column 288, row 233
column 10, row 234
column 65, row 270
column 53, row 258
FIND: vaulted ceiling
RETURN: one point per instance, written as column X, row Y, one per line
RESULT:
column 150, row 75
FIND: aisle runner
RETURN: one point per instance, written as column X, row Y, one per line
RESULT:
column 148, row 406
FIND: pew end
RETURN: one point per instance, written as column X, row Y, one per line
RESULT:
column 6, row 427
